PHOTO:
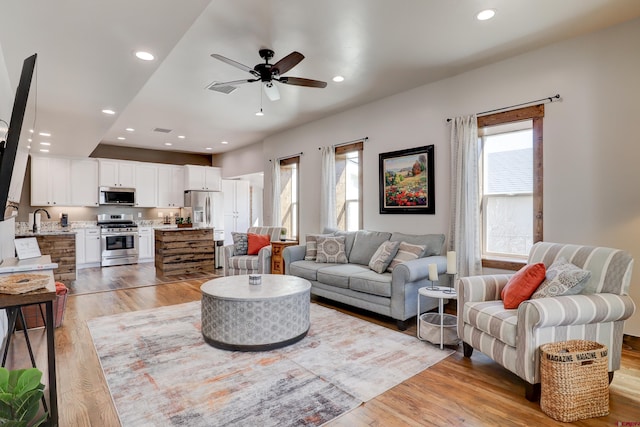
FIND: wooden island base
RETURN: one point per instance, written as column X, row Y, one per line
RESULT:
column 184, row 251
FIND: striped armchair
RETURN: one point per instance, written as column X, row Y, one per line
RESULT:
column 235, row 265
column 512, row 337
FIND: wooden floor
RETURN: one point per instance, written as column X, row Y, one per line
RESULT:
column 454, row 392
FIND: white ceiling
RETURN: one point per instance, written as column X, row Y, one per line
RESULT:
column 381, row 47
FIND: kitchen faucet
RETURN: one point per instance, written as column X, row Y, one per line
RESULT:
column 35, row 228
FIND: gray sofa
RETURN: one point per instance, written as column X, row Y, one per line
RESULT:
column 392, row 294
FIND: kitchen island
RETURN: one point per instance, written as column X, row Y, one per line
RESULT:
column 184, row 251
column 61, row 246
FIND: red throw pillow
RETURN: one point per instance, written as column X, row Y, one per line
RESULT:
column 257, row 242
column 523, row 284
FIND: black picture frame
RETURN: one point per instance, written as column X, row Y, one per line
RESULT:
column 407, row 183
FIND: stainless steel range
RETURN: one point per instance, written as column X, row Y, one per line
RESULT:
column 118, row 239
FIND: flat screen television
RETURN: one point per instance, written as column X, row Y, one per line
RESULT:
column 9, row 148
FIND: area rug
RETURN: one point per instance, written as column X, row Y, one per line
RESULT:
column 161, row 372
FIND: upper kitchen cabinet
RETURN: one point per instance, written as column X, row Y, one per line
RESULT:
column 50, row 181
column 84, row 182
column 146, row 185
column 202, row 178
column 117, row 173
column 170, row 186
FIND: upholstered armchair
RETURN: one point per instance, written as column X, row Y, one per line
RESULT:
column 512, row 337
column 234, row 265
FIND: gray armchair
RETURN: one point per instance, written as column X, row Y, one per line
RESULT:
column 512, row 337
column 250, row 264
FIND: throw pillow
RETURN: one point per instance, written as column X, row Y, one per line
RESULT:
column 522, row 285
column 331, row 249
column 406, row 252
column 311, row 246
column 365, row 244
column 241, row 243
column 383, row 256
column 562, row 278
column 257, row 242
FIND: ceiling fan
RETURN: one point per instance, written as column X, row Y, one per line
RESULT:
column 267, row 74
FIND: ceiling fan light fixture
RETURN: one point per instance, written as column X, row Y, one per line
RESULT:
column 259, row 114
column 486, row 14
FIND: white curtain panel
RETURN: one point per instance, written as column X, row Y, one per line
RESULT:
column 328, row 188
column 464, row 229
column 276, row 221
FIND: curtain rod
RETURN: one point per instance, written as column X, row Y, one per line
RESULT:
column 511, row 107
column 366, row 138
column 288, row 157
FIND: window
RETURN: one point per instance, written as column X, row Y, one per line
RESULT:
column 349, row 186
column 511, row 185
column 289, row 179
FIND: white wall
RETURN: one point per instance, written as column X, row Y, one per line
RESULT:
column 7, row 228
column 591, row 140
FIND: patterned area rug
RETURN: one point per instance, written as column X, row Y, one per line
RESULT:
column 161, row 372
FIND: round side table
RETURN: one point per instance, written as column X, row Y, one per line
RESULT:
column 442, row 293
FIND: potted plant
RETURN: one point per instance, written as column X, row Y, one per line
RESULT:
column 283, row 234
column 20, row 394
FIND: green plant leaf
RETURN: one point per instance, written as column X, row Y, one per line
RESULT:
column 27, row 406
column 13, row 379
column 41, row 420
column 4, row 379
column 27, row 381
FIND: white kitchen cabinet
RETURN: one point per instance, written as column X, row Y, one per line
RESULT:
column 117, row 173
column 50, row 179
column 236, row 207
column 202, row 178
column 170, row 186
column 146, row 185
column 92, row 250
column 146, row 244
column 84, row 182
column 80, row 247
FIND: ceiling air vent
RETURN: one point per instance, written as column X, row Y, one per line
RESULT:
column 221, row 89
column 161, row 130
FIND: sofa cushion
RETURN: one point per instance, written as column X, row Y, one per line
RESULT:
column 243, row 262
column 349, row 237
column 371, row 282
column 331, row 249
column 406, row 252
column 491, row 317
column 240, row 243
column 365, row 245
column 562, row 278
column 311, row 250
column 257, row 242
column 522, row 285
column 383, row 256
column 307, row 269
column 338, row 275
column 432, row 242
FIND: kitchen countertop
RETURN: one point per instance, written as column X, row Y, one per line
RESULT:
column 174, row 228
column 46, row 233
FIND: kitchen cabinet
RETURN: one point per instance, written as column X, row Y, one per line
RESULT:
column 202, row 178
column 145, row 244
column 92, row 248
column 80, row 247
column 146, row 185
column 117, row 173
column 170, row 186
column 84, row 182
column 50, row 179
column 236, row 207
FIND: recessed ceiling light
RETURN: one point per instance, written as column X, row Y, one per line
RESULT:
column 224, row 142
column 168, row 144
column 45, row 143
column 338, row 79
column 44, row 134
column 121, row 138
column 109, row 112
column 145, row 56
column 31, row 130
column 29, row 139
column 208, row 148
column 129, row 129
column 43, row 150
column 29, row 147
column 181, row 136
column 485, row 14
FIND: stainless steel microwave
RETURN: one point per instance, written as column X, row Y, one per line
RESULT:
column 117, row 196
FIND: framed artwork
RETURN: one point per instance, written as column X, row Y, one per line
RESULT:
column 407, row 181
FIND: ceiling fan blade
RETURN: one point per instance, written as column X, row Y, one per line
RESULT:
column 299, row 81
column 235, row 64
column 232, row 83
column 288, row 62
column 271, row 91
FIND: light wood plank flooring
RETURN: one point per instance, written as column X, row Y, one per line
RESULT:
column 455, row 392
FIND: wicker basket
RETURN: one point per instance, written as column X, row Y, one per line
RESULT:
column 430, row 328
column 574, row 380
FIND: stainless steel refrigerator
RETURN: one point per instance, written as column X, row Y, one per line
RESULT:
column 206, row 209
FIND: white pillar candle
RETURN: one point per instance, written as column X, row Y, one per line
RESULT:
column 433, row 272
column 451, row 262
